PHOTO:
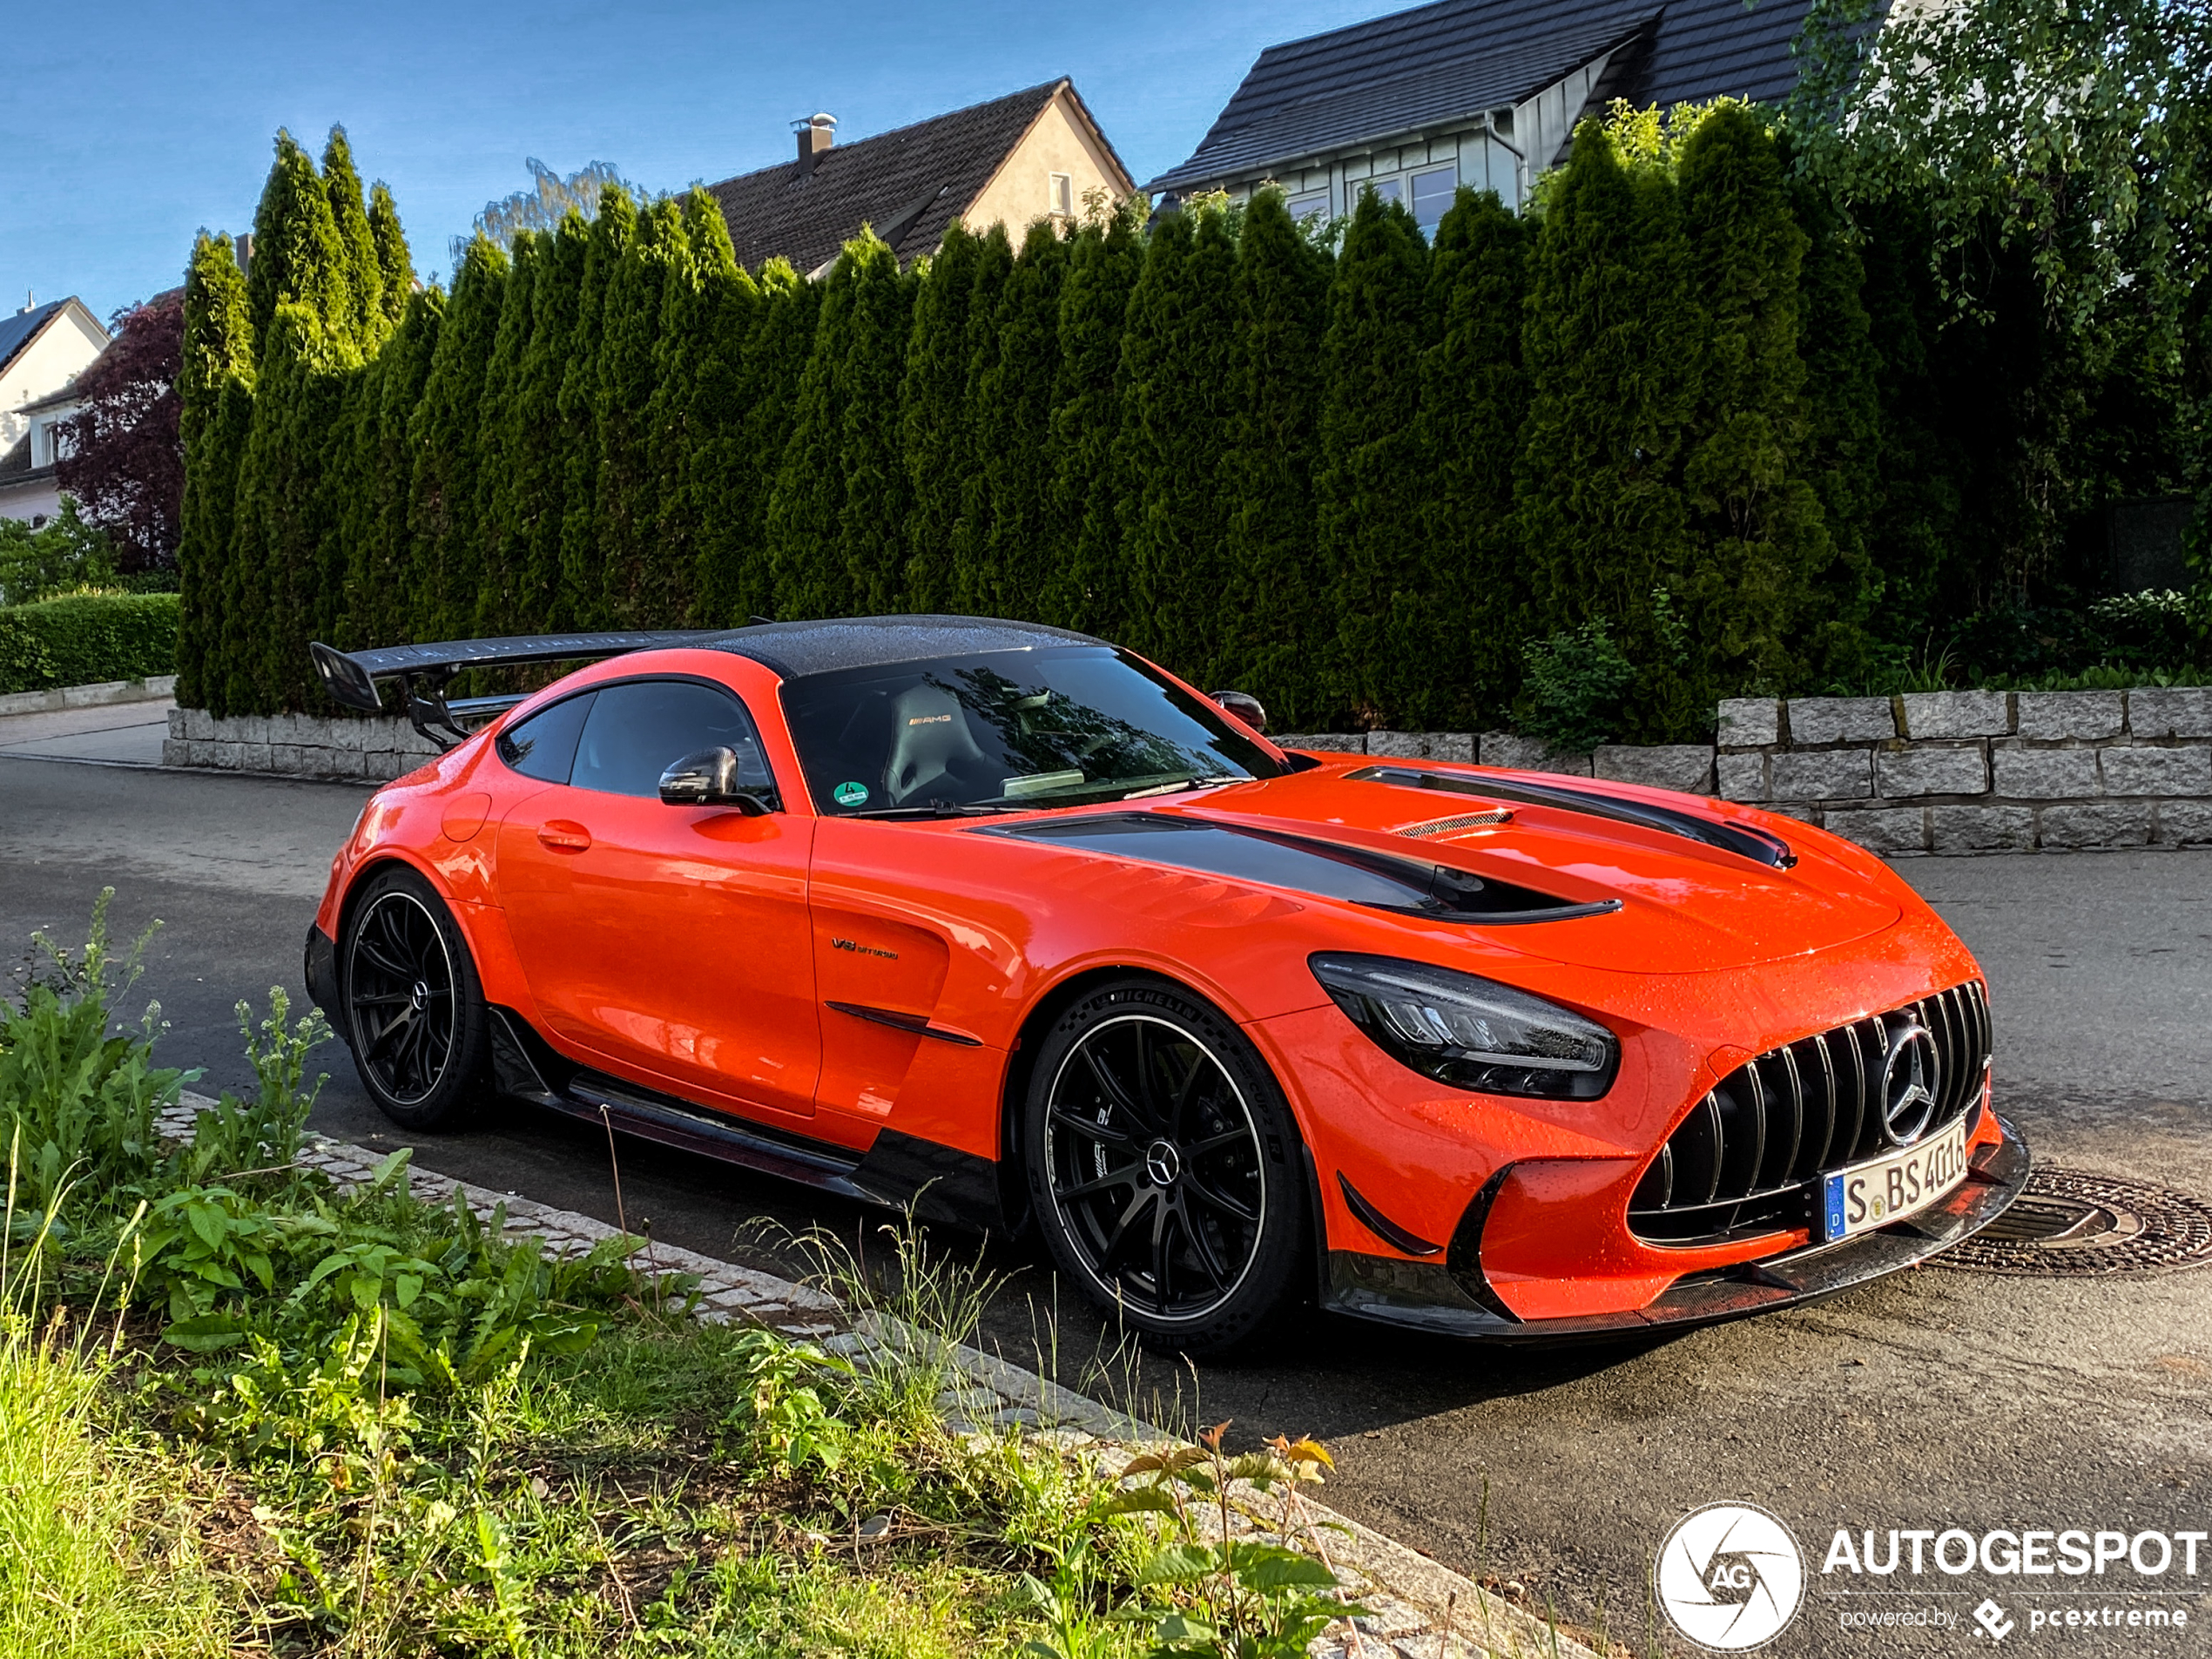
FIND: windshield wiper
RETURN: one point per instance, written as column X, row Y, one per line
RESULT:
column 939, row 809
column 1211, row 782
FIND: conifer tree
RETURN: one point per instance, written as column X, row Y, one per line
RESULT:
column 395, row 265
column 806, row 560
column 537, row 480
column 933, row 430
column 1176, row 378
column 706, row 313
column 1014, row 452
column 1392, row 653
column 298, row 254
column 1086, row 586
column 1474, row 396
column 1842, row 405
column 1761, row 541
column 383, row 602
column 629, row 340
column 1611, row 344
column 967, row 551
column 872, row 519
column 443, row 434
column 583, row 582
column 501, row 513
column 1272, row 618
column 216, row 389
column 364, row 317
column 285, row 513
column 744, row 463
column 1915, row 533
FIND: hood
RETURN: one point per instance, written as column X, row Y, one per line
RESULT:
column 1594, row 877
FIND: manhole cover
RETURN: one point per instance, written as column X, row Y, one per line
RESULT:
column 2070, row 1225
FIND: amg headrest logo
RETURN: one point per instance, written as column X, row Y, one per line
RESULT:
column 929, row 719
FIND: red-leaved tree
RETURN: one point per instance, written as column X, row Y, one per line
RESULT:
column 123, row 459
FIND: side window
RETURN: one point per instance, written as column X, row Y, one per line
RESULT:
column 637, row 731
column 543, row 747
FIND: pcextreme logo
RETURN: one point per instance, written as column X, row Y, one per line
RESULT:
column 1730, row 1577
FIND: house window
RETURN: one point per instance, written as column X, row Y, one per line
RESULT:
column 1305, row 208
column 1062, row 189
column 1387, row 190
column 1432, row 195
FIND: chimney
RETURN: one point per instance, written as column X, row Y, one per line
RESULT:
column 816, row 133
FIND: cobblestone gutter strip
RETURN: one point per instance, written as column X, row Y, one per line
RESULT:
column 1408, row 1595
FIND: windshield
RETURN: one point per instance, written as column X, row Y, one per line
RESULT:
column 1011, row 731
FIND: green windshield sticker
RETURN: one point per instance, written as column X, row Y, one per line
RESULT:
column 849, row 794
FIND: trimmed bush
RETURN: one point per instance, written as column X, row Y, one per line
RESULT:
column 84, row 638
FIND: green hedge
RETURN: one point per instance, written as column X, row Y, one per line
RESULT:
column 87, row 638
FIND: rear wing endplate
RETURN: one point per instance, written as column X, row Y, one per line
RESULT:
column 424, row 671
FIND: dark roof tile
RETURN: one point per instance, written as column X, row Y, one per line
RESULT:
column 1417, row 70
column 910, row 183
column 17, row 330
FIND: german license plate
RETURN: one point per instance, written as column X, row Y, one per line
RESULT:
column 1886, row 1189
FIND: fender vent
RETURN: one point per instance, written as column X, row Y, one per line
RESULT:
column 1747, row 1159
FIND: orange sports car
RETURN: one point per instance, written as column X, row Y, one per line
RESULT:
column 1009, row 926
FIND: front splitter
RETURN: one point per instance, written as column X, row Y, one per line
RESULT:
column 1423, row 1296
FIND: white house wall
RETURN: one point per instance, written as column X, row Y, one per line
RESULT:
column 1541, row 126
column 60, row 352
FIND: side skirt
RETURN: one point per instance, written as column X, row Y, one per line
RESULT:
column 899, row 1171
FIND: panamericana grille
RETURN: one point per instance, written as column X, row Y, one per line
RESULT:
column 1746, row 1159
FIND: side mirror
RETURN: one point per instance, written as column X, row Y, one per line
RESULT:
column 710, row 778
column 1245, row 707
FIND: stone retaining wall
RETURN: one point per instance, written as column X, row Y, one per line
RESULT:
column 1932, row 772
column 99, row 694
column 1979, row 771
column 374, row 749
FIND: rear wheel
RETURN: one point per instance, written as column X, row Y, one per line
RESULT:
column 1163, row 1166
column 414, row 1013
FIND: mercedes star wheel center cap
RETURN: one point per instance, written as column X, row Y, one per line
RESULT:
column 1163, row 1162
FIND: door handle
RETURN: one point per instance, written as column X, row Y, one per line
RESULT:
column 565, row 835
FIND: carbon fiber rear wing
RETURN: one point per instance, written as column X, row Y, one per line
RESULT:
column 424, row 671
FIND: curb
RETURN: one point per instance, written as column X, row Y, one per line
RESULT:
column 99, row 694
column 1412, row 1601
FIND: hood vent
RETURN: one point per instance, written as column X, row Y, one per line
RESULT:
column 1740, row 838
column 1452, row 826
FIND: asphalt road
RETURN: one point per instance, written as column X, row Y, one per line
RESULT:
column 1937, row 1398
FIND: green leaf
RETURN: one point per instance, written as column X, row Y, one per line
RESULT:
column 1136, row 1501
column 1283, row 1571
column 207, row 1333
column 1178, row 1563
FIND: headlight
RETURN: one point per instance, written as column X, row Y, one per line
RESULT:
column 1471, row 1033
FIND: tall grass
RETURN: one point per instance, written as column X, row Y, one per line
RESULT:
column 91, row 1562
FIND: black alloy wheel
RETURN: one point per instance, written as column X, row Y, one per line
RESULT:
column 415, row 1016
column 1158, row 1141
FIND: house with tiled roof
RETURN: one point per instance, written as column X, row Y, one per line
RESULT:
column 1478, row 92
column 42, row 350
column 1031, row 155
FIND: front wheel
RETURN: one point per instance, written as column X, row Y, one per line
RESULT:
column 1164, row 1167
column 414, row 1013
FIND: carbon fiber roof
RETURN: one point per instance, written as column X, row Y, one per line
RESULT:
column 795, row 650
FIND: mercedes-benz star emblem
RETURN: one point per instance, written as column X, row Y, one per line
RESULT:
column 1909, row 1074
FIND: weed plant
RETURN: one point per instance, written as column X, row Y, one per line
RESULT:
column 359, row 1424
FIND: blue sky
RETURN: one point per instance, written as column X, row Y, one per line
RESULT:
column 127, row 128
